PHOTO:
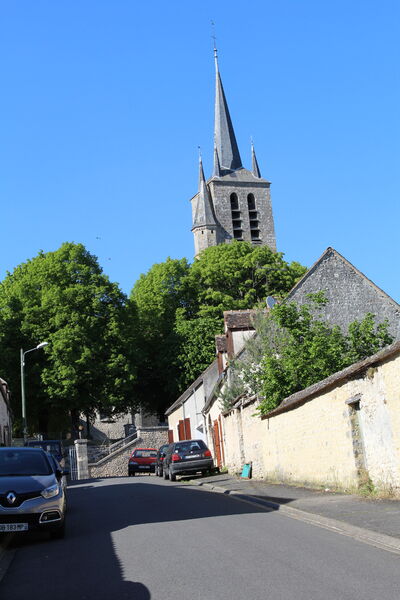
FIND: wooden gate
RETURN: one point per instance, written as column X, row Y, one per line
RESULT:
column 217, row 443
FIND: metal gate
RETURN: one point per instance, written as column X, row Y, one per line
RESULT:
column 73, row 464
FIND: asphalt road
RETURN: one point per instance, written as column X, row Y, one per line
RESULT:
column 144, row 538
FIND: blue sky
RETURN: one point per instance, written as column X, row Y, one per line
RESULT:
column 104, row 104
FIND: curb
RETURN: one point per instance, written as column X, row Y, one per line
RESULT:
column 366, row 536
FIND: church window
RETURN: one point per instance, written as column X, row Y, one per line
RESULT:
column 253, row 218
column 236, row 218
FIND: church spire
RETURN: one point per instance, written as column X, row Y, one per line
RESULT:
column 204, row 216
column 254, row 163
column 224, row 136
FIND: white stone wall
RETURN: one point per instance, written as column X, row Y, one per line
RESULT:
column 313, row 443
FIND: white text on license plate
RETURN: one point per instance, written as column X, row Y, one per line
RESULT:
column 13, row 526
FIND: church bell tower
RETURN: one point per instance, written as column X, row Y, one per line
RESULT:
column 234, row 203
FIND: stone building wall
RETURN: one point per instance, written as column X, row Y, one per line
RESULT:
column 350, row 294
column 243, row 439
column 116, row 464
column 221, row 190
column 312, row 437
column 343, row 432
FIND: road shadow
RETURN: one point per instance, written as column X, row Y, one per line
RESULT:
column 85, row 564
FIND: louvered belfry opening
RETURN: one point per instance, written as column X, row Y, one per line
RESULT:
column 236, row 218
column 253, row 218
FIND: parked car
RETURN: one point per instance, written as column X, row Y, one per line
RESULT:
column 160, row 460
column 32, row 495
column 142, row 460
column 53, row 446
column 187, row 458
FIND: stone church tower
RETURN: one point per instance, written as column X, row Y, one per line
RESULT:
column 234, row 203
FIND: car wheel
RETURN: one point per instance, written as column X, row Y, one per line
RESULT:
column 172, row 476
column 165, row 474
column 59, row 533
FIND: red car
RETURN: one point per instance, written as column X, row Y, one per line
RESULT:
column 142, row 460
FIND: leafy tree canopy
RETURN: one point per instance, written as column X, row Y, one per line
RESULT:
column 63, row 298
column 180, row 308
column 295, row 347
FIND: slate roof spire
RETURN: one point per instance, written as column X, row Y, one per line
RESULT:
column 224, row 135
column 254, row 163
column 217, row 166
column 204, row 216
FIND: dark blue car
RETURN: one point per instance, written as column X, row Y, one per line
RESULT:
column 53, row 446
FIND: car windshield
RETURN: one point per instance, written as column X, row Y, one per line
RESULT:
column 145, row 453
column 192, row 446
column 14, row 462
column 52, row 447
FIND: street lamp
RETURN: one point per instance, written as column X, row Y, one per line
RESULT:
column 22, row 354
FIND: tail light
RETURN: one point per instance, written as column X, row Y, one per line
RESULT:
column 175, row 457
column 207, row 454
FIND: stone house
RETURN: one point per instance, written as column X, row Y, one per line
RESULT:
column 349, row 292
column 185, row 416
column 239, row 438
column 5, row 415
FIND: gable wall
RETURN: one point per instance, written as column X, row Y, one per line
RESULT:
column 350, row 294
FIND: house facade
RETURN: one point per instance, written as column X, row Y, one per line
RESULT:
column 186, row 415
column 238, row 435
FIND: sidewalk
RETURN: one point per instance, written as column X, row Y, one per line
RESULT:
column 356, row 516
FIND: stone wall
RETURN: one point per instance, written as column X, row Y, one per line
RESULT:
column 116, row 464
column 242, row 183
column 350, row 294
column 342, row 432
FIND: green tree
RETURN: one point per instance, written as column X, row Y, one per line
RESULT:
column 295, row 347
column 180, row 310
column 238, row 276
column 63, row 298
column 156, row 297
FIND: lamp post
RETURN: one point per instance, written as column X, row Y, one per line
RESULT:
column 22, row 354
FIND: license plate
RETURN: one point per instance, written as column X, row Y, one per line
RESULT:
column 193, row 456
column 144, row 467
column 13, row 527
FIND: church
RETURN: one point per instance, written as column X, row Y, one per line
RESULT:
column 234, row 203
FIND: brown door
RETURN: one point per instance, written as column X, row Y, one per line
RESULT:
column 181, row 430
column 188, row 433
column 217, row 443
